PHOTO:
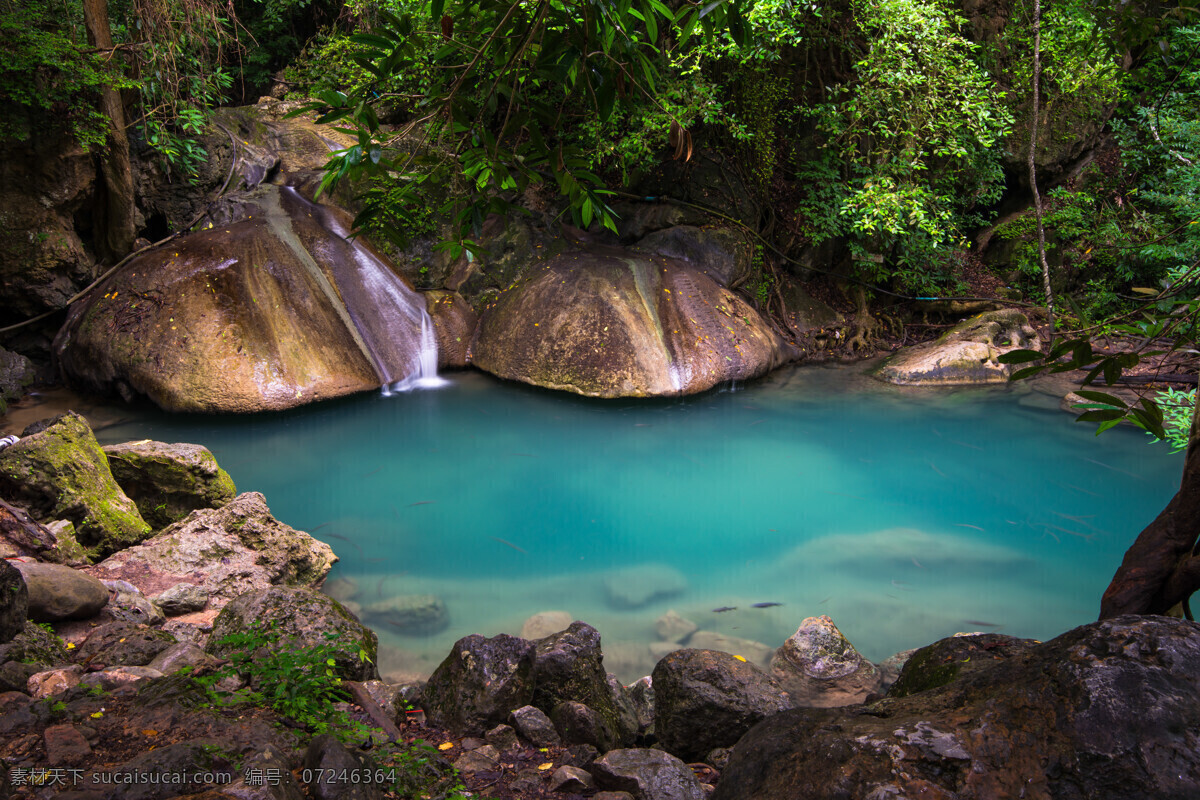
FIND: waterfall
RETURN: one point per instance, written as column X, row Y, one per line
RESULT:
column 391, row 319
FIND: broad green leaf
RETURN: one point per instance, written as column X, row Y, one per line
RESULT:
column 1019, row 356
column 1101, row 415
column 1101, row 397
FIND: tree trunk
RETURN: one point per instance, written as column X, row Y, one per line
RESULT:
column 1033, row 130
column 1161, row 568
column 115, row 205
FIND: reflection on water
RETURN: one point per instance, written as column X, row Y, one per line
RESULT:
column 906, row 515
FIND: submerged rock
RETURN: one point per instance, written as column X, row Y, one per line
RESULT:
column 635, row 587
column 614, row 323
column 58, row 471
column 545, row 623
column 414, row 614
column 966, row 354
column 169, row 481
column 819, row 667
column 1106, row 711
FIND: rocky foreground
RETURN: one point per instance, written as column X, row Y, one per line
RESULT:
column 162, row 636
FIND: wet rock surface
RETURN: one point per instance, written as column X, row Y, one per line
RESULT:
column 1106, row 711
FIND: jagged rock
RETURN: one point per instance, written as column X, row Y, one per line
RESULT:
column 577, row 723
column 179, row 655
column 57, row 592
column 647, row 775
column 966, row 354
column 704, row 699
column 227, row 551
column 34, row 645
column 127, row 603
column 671, row 627
column 58, row 471
column 819, row 667
column 112, row 677
column 296, row 618
column 50, row 682
column 454, row 323
column 414, row 614
column 182, row 598
column 14, row 602
column 569, row 667
column 122, row 644
column 23, row 536
column 169, row 481
column 503, row 738
column 480, row 682
column 615, row 323
column 545, row 623
column 754, row 652
column 16, row 373
column 635, row 587
column 571, row 779
column 480, row 759
column 641, row 696
column 1106, row 711
column 535, row 726
column 327, row 759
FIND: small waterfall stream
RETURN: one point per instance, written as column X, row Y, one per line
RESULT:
column 390, row 317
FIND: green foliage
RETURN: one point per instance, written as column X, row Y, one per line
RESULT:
column 279, row 30
column 300, row 683
column 1178, row 408
column 50, row 79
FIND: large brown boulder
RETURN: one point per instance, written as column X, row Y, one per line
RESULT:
column 1107, row 711
column 613, row 323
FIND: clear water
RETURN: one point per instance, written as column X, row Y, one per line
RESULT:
column 905, row 515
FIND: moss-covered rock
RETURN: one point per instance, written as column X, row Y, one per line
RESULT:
column 945, row 661
column 569, row 667
column 14, row 602
column 35, row 645
column 283, row 618
column 169, row 481
column 60, row 472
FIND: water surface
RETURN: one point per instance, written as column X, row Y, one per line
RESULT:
column 905, row 515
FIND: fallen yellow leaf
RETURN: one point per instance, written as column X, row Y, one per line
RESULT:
column 547, row 765
column 445, row 745
column 741, row 658
column 149, row 732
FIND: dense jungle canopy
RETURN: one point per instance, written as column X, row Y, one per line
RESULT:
column 897, row 149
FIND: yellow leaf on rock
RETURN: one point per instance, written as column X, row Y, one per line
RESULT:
column 741, row 658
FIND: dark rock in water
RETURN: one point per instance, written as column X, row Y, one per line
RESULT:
column 535, row 726
column 948, row 660
column 479, row 683
column 328, row 761
column 704, row 699
column 58, row 593
column 123, row 643
column 298, row 618
column 414, row 614
column 14, row 602
column 568, row 667
column 577, row 723
column 647, row 775
column 169, row 481
column 1107, row 711
column 60, row 472
column 615, row 323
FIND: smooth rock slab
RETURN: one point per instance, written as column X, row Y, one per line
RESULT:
column 1106, row 711
column 647, row 775
column 57, row 592
column 966, row 354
